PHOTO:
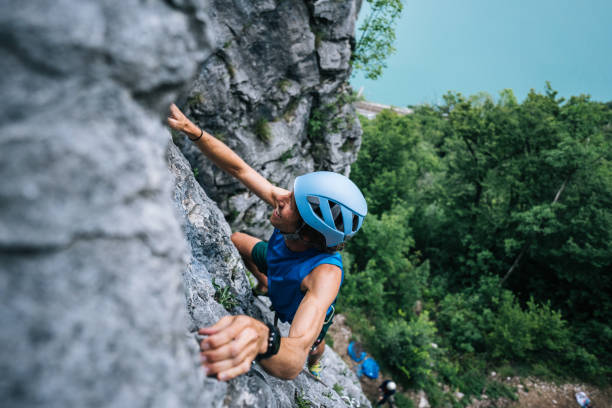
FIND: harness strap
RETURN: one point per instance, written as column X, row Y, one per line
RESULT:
column 330, row 315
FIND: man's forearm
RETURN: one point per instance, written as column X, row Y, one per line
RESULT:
column 227, row 160
column 289, row 361
column 220, row 154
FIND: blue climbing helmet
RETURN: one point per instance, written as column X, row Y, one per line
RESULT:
column 331, row 204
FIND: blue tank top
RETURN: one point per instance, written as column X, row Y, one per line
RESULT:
column 287, row 269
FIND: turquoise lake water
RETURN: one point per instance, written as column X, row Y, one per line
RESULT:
column 471, row 46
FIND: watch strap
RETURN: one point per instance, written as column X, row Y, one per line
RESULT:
column 273, row 343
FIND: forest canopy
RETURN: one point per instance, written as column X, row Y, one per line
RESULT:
column 488, row 242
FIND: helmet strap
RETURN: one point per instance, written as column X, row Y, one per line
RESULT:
column 294, row 236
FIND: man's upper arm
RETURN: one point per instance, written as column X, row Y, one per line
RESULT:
column 322, row 285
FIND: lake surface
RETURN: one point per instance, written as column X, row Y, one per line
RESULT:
column 471, row 46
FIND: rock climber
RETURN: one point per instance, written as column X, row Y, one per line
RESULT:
column 299, row 266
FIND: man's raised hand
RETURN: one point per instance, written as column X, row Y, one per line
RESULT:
column 178, row 121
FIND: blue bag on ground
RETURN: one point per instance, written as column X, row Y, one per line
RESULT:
column 369, row 367
column 355, row 351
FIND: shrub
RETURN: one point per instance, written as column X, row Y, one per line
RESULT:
column 407, row 347
column 531, row 335
column 402, row 401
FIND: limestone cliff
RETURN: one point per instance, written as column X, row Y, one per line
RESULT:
column 276, row 92
column 95, row 255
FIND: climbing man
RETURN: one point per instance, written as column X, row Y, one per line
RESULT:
column 299, row 265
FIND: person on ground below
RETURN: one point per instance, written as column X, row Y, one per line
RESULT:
column 387, row 388
column 299, row 267
column 583, row 400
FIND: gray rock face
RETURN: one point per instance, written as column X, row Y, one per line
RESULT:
column 92, row 306
column 276, row 92
column 108, row 261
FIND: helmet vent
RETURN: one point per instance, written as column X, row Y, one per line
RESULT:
column 336, row 211
column 315, row 205
column 337, row 214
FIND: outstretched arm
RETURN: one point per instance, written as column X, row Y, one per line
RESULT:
column 224, row 157
column 235, row 341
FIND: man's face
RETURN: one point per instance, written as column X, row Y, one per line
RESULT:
column 285, row 216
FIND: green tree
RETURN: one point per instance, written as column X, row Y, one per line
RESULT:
column 384, row 281
column 497, row 215
column 527, row 196
column 396, row 165
column 377, row 34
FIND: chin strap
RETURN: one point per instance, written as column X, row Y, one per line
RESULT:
column 293, row 236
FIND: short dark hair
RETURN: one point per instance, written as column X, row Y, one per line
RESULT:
column 317, row 239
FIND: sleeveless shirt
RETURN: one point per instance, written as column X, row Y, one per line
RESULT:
column 287, row 269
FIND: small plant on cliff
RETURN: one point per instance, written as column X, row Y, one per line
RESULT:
column 196, row 171
column 330, row 117
column 195, row 99
column 301, row 401
column 319, row 116
column 328, row 394
column 289, row 114
column 338, row 388
column 284, row 84
column 262, row 130
column 286, row 155
column 224, row 296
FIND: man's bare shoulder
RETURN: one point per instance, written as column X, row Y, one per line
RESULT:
column 323, row 276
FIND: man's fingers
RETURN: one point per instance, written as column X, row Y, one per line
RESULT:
column 245, row 343
column 231, row 346
column 224, row 365
column 173, row 123
column 175, row 110
column 233, row 372
column 220, row 325
column 225, row 335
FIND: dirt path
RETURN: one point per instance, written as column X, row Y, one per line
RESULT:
column 532, row 392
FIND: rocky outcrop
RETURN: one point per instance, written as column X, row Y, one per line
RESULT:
column 92, row 304
column 276, row 92
column 95, row 256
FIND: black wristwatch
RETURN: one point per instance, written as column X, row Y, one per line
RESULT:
column 273, row 343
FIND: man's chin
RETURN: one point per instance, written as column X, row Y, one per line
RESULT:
column 273, row 221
